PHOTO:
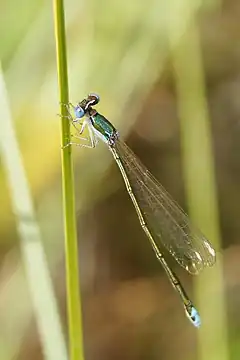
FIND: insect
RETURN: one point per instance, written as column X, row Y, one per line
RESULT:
column 165, row 224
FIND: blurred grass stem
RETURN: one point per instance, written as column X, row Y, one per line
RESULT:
column 72, row 270
column 32, row 250
column 199, row 176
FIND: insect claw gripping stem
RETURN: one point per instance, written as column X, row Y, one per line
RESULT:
column 65, row 116
column 65, row 146
column 63, row 104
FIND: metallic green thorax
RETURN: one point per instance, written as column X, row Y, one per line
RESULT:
column 103, row 126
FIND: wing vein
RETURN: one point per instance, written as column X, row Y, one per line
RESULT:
column 168, row 223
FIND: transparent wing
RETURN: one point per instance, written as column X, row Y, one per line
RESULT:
column 169, row 225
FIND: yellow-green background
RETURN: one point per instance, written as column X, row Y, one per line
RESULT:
column 168, row 76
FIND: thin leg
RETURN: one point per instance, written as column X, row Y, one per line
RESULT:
column 69, row 117
column 67, row 106
column 76, row 121
column 92, row 138
column 83, row 125
column 81, row 137
column 70, row 104
column 73, row 122
column 77, row 144
column 64, row 104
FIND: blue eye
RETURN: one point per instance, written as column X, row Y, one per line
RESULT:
column 79, row 112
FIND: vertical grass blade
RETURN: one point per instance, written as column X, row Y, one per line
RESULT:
column 72, row 271
column 40, row 286
column 198, row 167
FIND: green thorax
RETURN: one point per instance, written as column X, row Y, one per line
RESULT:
column 104, row 129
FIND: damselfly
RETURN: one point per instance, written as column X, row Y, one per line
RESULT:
column 163, row 221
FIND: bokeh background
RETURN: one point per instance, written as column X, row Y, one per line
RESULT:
column 168, row 74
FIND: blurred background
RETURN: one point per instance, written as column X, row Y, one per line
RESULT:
column 168, row 74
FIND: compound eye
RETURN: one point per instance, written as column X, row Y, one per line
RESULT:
column 79, row 112
column 95, row 98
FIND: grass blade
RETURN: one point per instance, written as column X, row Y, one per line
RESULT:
column 39, row 281
column 72, row 271
column 198, row 167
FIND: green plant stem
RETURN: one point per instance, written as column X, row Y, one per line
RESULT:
column 71, row 248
